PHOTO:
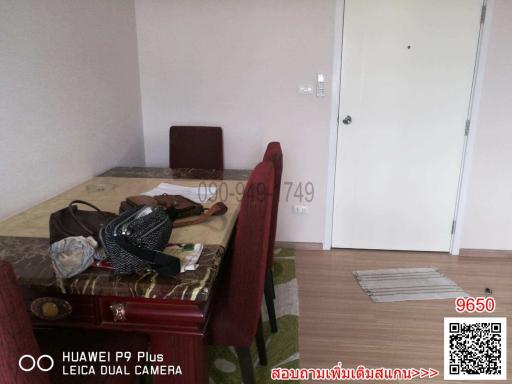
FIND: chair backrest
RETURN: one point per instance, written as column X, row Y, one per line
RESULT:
column 196, row 147
column 16, row 336
column 243, row 286
column 275, row 155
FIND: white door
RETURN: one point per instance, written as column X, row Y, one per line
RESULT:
column 407, row 72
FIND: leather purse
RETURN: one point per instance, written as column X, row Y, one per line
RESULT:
column 180, row 207
column 71, row 221
column 133, row 242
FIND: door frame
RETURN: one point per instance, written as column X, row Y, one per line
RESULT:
column 469, row 142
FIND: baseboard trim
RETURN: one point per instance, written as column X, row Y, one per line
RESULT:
column 299, row 245
column 470, row 252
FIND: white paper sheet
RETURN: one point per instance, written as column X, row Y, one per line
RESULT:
column 197, row 194
column 187, row 253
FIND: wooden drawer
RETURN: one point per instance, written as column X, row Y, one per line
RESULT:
column 126, row 313
column 133, row 312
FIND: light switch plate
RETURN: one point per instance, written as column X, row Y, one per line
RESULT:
column 320, row 85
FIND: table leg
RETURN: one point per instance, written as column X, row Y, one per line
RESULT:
column 187, row 351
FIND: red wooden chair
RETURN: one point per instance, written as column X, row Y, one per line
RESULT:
column 17, row 339
column 275, row 155
column 236, row 319
column 196, row 147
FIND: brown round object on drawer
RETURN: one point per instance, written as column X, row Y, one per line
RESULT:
column 50, row 309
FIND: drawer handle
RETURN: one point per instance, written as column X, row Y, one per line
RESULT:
column 51, row 308
column 118, row 311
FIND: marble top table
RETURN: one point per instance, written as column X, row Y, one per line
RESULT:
column 24, row 237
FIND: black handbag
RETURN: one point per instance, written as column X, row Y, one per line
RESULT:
column 133, row 242
column 71, row 221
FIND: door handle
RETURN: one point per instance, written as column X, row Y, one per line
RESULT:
column 347, row 120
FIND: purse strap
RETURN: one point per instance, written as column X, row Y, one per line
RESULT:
column 77, row 220
column 166, row 265
column 216, row 209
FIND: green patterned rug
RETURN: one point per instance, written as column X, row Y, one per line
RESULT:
column 283, row 346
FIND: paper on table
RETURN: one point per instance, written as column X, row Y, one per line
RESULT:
column 196, row 194
column 187, row 253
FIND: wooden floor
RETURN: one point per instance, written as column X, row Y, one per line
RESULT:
column 338, row 322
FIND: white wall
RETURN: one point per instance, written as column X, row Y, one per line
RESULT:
column 70, row 104
column 69, row 95
column 238, row 64
column 488, row 213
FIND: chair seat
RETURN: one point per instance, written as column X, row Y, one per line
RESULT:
column 54, row 342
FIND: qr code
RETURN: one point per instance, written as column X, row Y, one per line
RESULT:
column 475, row 348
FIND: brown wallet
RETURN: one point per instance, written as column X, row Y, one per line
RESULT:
column 180, row 206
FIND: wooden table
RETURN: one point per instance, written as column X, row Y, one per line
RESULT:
column 173, row 312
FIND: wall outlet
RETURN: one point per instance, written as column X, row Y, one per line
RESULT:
column 300, row 209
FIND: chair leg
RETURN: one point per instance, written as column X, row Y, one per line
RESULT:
column 246, row 367
column 270, row 303
column 260, row 344
column 273, row 287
